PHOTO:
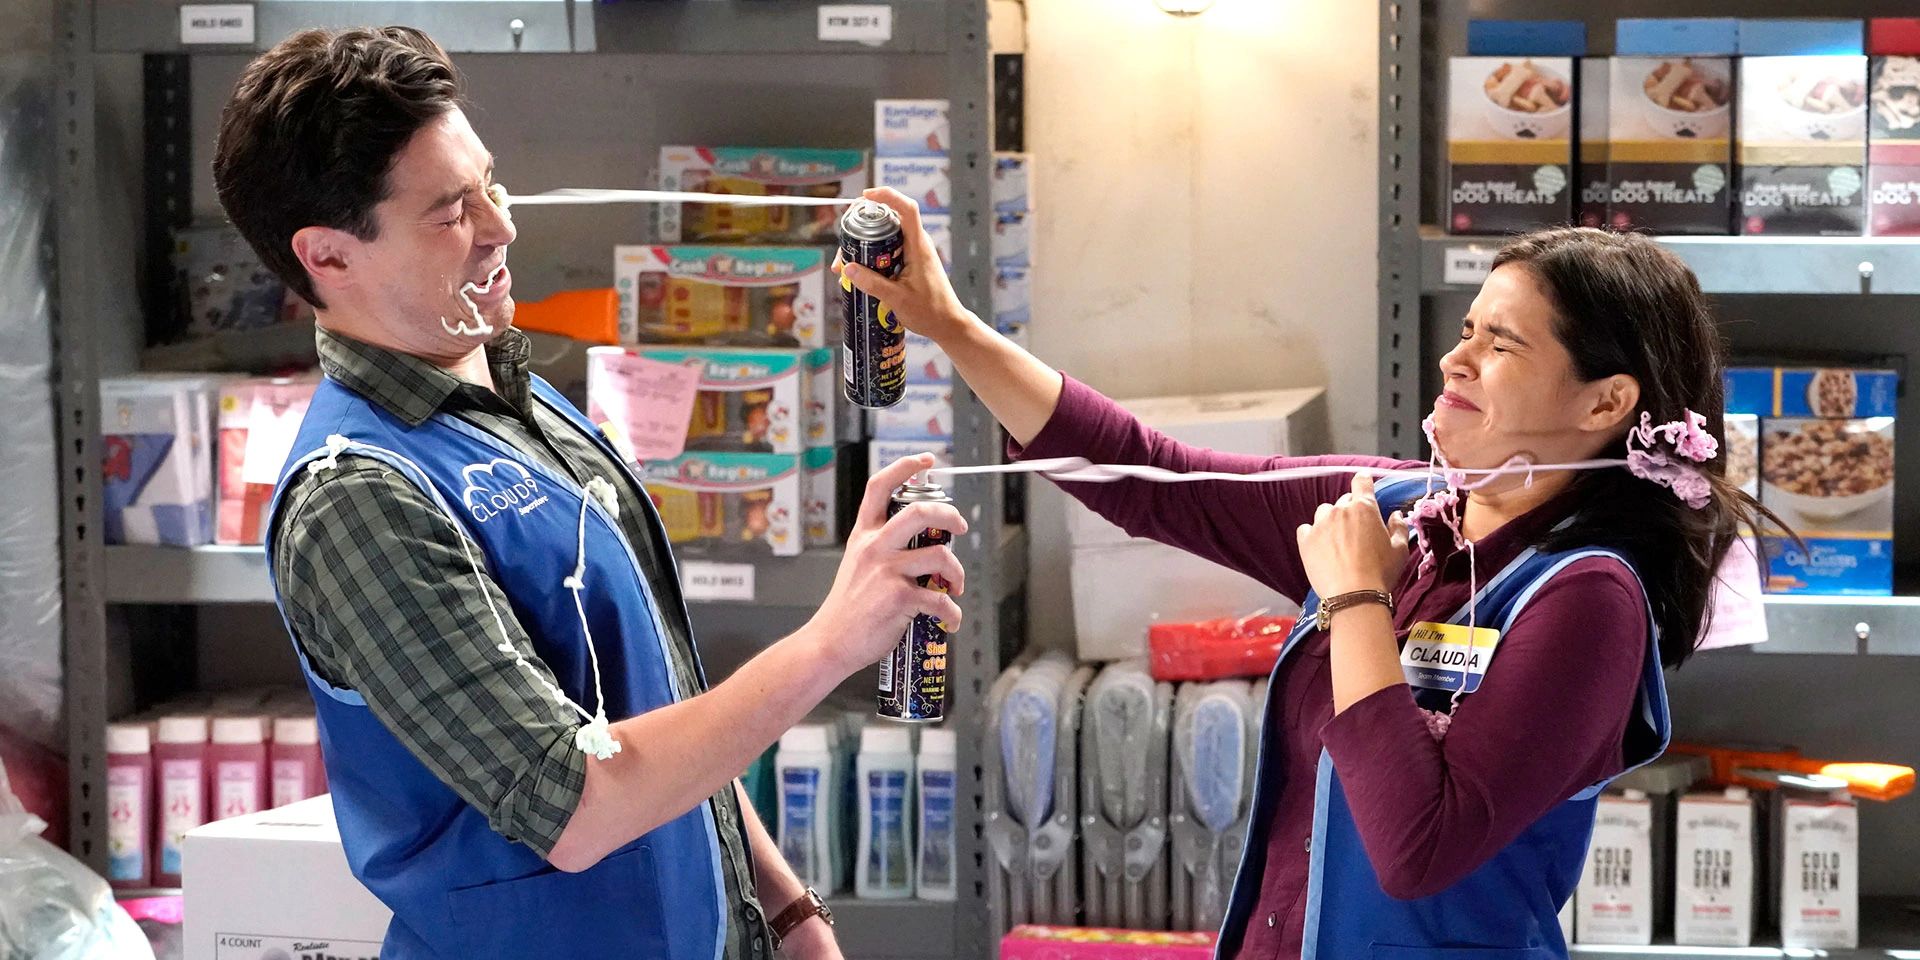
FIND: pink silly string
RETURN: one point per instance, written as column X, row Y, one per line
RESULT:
column 1689, row 440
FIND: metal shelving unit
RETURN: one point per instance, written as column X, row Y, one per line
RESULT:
column 97, row 38
column 1795, row 295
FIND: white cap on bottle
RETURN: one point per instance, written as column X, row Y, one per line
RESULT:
column 805, row 738
column 296, row 731
column 885, row 739
column 938, row 742
column 238, row 730
column 183, row 728
column 128, row 738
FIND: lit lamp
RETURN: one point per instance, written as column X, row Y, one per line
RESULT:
column 1184, row 8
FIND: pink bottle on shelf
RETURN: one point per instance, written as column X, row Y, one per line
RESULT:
column 180, row 775
column 129, row 805
column 297, row 771
column 237, row 766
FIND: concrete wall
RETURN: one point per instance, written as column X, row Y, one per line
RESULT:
column 1205, row 190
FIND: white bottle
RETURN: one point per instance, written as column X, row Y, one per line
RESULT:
column 933, row 866
column 883, row 868
column 804, row 774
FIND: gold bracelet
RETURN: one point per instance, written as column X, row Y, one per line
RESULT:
column 1332, row 605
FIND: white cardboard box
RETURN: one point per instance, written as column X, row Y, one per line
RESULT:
column 276, row 884
column 1819, row 872
column 1715, row 865
column 1121, row 588
column 1614, row 904
column 1285, row 423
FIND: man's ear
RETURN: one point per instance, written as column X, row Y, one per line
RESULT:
column 327, row 255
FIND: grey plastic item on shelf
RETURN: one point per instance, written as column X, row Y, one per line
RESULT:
column 1030, row 794
column 31, row 702
column 1215, row 729
column 1672, row 773
column 1123, row 787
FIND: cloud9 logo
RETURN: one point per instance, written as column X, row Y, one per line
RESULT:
column 500, row 486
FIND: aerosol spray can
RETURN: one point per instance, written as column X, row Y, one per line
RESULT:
column 873, row 343
column 913, row 678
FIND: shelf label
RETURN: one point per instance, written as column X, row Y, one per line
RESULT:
column 216, row 23
column 868, row 23
column 701, row 580
column 1468, row 265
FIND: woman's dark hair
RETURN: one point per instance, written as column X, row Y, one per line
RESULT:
column 312, row 128
column 1625, row 305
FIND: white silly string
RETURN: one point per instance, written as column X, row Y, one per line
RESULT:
column 480, row 328
column 572, row 196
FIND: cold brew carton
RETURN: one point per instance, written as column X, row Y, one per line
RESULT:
column 1509, row 143
column 1893, row 128
column 1818, row 870
column 1716, row 869
column 1614, row 904
column 1802, row 128
column 1670, row 126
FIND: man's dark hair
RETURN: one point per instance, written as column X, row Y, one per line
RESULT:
column 313, row 127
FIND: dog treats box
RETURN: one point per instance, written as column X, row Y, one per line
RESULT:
column 746, row 502
column 722, row 296
column 1509, row 143
column 1802, row 128
column 1670, row 159
column 1893, row 127
column 757, row 172
column 753, row 401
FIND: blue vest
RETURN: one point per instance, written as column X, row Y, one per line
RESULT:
column 457, row 888
column 1508, row 909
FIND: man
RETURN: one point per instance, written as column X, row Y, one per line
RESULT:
column 525, row 757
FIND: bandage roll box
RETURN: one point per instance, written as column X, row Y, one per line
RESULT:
column 157, row 461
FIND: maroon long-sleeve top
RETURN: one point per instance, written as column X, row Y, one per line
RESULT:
column 1547, row 721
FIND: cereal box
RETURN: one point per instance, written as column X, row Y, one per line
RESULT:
column 758, row 172
column 747, row 502
column 753, row 401
column 1509, row 143
column 721, row 296
column 911, row 128
column 1834, row 392
column 1831, row 481
column 1743, row 452
column 926, row 181
column 1803, row 145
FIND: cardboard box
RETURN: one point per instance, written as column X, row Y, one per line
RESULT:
column 722, row 296
column 752, row 401
column 1269, row 423
column 275, row 884
column 1743, row 452
column 1801, row 36
column 1893, row 128
column 1716, row 869
column 1509, row 143
column 1120, row 589
column 824, row 392
column 927, row 181
column 758, row 172
column 223, row 283
column 1526, row 38
column 1590, row 167
column 925, row 413
column 1614, row 904
column 1676, row 36
column 1034, row 942
column 1013, row 240
column 1832, row 392
column 1670, row 143
column 939, row 227
column 1803, row 145
column 747, row 502
column 1012, row 182
column 149, row 465
column 1831, row 481
column 927, row 364
column 1012, row 296
column 911, row 128
column 1819, row 871
column 884, row 453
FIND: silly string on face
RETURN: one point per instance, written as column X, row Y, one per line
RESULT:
column 497, row 194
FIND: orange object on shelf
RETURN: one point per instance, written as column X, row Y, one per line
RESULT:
column 591, row 315
column 1216, row 649
column 1868, row 781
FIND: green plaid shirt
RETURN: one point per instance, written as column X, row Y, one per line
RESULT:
column 382, row 599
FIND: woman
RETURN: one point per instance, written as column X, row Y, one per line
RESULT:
column 1411, row 797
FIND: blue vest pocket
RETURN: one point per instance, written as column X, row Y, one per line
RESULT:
column 1383, row 951
column 612, row 910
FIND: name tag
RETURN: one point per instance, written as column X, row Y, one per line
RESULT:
column 1448, row 656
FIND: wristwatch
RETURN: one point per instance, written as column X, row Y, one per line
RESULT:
column 1332, row 605
column 798, row 912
